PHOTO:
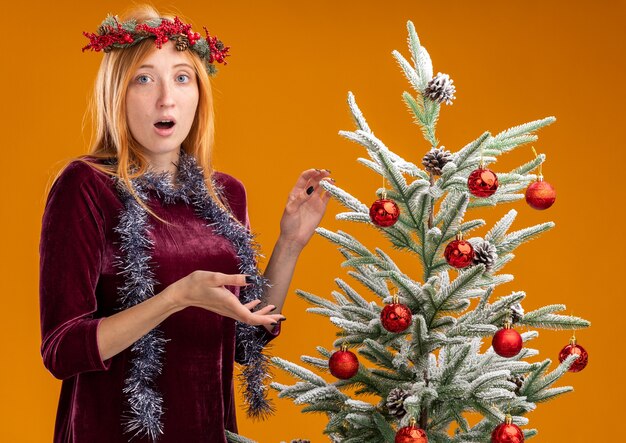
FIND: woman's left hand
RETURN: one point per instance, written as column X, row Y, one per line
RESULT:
column 305, row 208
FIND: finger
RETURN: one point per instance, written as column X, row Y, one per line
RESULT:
column 308, row 176
column 252, row 304
column 236, row 279
column 217, row 279
column 272, row 320
column 319, row 189
column 255, row 303
column 326, row 198
column 297, row 197
column 265, row 310
column 315, row 185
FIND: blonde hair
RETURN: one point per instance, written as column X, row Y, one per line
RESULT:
column 108, row 110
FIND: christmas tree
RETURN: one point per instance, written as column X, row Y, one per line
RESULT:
column 423, row 339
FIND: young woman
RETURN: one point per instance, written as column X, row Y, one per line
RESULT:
column 149, row 289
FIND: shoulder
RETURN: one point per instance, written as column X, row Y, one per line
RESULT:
column 81, row 173
column 80, row 182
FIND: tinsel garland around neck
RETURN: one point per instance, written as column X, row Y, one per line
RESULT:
column 145, row 401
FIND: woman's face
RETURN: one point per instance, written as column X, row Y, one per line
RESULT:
column 161, row 102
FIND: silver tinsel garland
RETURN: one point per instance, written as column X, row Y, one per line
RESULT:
column 146, row 403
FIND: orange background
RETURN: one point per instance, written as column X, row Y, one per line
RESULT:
column 279, row 104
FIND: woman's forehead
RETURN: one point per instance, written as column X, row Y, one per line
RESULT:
column 166, row 57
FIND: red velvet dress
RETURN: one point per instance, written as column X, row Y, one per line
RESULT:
column 78, row 287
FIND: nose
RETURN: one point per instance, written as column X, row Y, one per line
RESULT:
column 166, row 98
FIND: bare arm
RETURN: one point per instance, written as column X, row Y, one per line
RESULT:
column 304, row 210
column 279, row 272
column 120, row 330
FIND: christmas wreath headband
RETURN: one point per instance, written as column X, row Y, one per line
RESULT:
column 112, row 34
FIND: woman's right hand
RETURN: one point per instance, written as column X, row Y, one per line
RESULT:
column 205, row 289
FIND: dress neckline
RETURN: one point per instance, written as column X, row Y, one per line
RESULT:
column 170, row 186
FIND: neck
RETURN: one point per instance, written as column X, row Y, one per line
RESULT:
column 166, row 162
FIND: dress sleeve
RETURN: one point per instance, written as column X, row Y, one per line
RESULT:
column 71, row 249
column 235, row 193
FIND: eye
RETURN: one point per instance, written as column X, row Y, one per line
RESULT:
column 143, row 79
column 182, row 78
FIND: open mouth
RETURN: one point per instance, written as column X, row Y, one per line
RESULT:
column 164, row 124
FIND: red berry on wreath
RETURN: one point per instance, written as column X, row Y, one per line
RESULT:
column 574, row 348
column 507, row 432
column 459, row 253
column 396, row 317
column 482, row 182
column 540, row 194
column 343, row 364
column 507, row 342
column 411, row 434
column 384, row 212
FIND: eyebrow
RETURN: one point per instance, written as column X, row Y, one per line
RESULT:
column 175, row 66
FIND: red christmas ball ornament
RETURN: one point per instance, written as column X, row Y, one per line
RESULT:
column 343, row 364
column 482, row 182
column 574, row 348
column 396, row 317
column 459, row 253
column 384, row 212
column 507, row 342
column 540, row 194
column 507, row 432
column 411, row 434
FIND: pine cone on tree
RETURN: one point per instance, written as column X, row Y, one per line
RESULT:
column 485, row 253
column 182, row 42
column 395, row 402
column 436, row 159
column 518, row 380
column 517, row 312
column 441, row 89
